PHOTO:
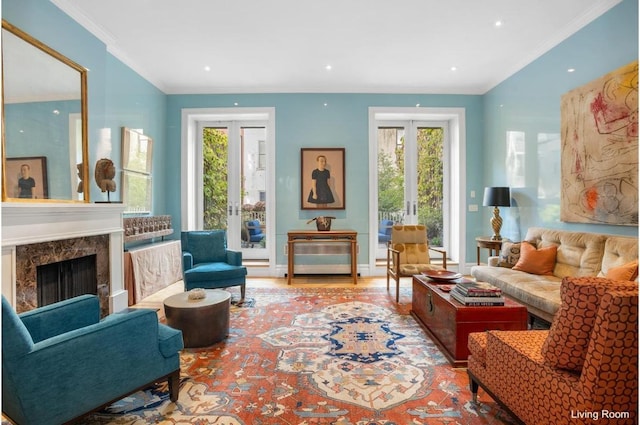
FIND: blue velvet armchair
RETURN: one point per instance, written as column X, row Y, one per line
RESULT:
column 256, row 235
column 384, row 231
column 208, row 264
column 61, row 362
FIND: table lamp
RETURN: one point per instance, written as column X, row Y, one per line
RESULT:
column 496, row 197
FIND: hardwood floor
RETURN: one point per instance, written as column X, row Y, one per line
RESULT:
column 155, row 301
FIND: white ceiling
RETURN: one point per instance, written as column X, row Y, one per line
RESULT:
column 373, row 46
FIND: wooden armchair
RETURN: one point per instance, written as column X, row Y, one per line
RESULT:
column 408, row 254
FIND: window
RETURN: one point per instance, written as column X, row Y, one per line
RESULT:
column 404, row 128
column 137, row 149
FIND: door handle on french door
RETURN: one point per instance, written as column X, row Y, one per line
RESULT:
column 415, row 207
column 230, row 209
column 408, row 207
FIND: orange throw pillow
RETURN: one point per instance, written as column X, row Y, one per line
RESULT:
column 627, row 271
column 536, row 261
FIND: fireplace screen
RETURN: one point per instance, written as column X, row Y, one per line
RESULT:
column 66, row 279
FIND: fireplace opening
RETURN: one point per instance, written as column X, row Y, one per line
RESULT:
column 66, row 279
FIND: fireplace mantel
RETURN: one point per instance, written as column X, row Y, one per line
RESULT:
column 27, row 223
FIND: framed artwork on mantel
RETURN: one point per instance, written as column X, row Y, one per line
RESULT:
column 322, row 179
column 27, row 177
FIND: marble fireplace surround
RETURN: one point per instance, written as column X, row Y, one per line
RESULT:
column 41, row 233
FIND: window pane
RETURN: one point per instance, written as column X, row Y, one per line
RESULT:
column 253, row 187
column 214, row 179
column 430, row 183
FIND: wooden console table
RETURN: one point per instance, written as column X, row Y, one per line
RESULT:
column 314, row 236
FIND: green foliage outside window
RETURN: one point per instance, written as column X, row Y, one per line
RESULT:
column 430, row 183
column 390, row 185
column 214, row 178
column 390, row 181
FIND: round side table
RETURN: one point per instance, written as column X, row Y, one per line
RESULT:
column 493, row 245
column 203, row 322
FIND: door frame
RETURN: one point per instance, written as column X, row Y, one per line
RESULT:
column 191, row 170
column 455, row 117
column 410, row 202
column 234, row 177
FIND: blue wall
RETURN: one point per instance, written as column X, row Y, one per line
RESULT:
column 131, row 101
column 51, row 141
column 117, row 96
column 528, row 101
column 302, row 120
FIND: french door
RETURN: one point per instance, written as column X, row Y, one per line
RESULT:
column 411, row 178
column 234, row 183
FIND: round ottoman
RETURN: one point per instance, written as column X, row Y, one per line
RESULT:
column 203, row 322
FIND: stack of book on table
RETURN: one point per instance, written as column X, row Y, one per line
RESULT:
column 477, row 293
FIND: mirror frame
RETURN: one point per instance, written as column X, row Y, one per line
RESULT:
column 83, row 114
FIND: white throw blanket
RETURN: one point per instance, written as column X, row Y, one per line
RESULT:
column 155, row 267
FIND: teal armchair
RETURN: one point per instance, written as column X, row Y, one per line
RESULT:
column 61, row 362
column 208, row 264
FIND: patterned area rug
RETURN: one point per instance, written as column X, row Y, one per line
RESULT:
column 248, row 302
column 318, row 356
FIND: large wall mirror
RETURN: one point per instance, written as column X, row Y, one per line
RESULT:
column 44, row 138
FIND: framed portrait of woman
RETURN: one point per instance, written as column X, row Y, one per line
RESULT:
column 322, row 179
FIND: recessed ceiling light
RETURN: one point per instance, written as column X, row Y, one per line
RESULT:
column 417, row 105
column 207, row 68
column 453, row 68
column 325, row 104
column 498, row 23
column 328, row 67
column 235, row 103
column 571, row 70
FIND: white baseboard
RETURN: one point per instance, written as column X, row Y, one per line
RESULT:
column 118, row 301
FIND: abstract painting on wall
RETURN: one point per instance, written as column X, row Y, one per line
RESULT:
column 599, row 133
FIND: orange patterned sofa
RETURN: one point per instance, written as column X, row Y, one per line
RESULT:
column 583, row 370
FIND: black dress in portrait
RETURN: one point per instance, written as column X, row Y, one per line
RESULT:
column 323, row 191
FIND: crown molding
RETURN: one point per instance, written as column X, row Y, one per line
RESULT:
column 108, row 39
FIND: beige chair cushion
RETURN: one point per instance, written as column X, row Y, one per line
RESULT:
column 411, row 242
column 412, row 269
column 412, row 253
column 409, row 234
